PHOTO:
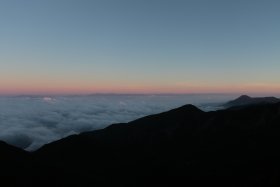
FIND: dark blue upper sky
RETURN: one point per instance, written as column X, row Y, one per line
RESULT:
column 153, row 46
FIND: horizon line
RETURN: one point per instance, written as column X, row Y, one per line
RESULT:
column 134, row 94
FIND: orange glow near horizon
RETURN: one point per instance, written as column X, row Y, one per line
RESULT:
column 105, row 87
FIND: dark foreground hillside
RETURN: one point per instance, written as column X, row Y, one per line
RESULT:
column 182, row 147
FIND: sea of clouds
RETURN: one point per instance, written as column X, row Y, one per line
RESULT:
column 29, row 122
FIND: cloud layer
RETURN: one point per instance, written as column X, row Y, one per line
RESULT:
column 30, row 122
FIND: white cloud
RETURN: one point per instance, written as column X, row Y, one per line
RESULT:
column 30, row 122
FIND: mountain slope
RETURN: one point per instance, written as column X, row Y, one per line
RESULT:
column 13, row 161
column 233, row 147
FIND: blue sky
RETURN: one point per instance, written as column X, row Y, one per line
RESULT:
column 155, row 46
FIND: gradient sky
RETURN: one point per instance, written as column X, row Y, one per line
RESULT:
column 143, row 46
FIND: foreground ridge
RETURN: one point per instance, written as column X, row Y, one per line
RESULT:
column 227, row 147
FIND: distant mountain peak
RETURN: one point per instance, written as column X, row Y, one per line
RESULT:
column 247, row 100
column 244, row 97
column 188, row 107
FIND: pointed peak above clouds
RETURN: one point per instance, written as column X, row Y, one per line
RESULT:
column 247, row 100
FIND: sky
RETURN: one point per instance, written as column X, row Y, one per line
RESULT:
column 143, row 46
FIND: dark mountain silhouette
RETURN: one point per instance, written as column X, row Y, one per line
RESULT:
column 13, row 164
column 184, row 146
column 10, row 154
column 246, row 100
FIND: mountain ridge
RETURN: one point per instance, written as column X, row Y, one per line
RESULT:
column 226, row 147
